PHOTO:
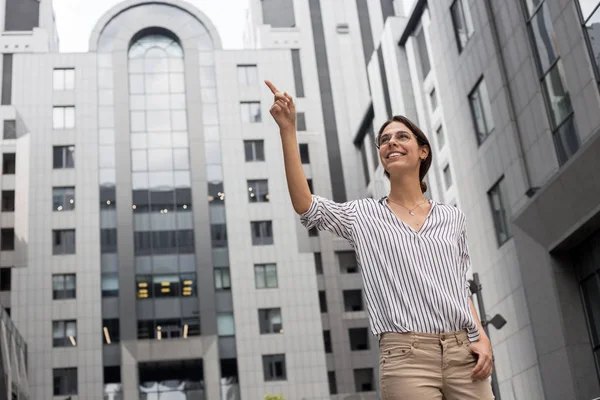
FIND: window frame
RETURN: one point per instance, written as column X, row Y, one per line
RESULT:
column 221, row 272
column 65, row 71
column 64, row 113
column 489, row 132
column 447, row 173
column 256, row 187
column 8, row 167
column 588, row 41
column 304, row 154
column 10, row 127
column 265, row 320
column 269, row 367
column 249, row 105
column 499, row 188
column 65, row 249
column 64, row 156
column 65, row 205
column 245, row 68
column 56, row 292
column 74, row 387
column 461, row 46
column 264, row 272
column 64, row 340
column 254, row 143
column 8, row 201
column 264, row 227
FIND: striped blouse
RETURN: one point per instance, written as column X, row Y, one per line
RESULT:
column 413, row 281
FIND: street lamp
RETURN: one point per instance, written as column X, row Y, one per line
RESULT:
column 497, row 321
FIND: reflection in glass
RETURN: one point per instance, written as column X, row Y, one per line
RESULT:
column 587, row 7
column 566, row 141
column 532, row 5
column 160, row 159
column 212, row 151
column 592, row 28
column 557, row 95
column 543, row 33
column 159, row 140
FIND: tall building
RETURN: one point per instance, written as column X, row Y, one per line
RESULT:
column 508, row 94
column 145, row 216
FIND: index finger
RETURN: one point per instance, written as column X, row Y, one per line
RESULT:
column 272, row 87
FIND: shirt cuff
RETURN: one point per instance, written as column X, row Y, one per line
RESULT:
column 308, row 218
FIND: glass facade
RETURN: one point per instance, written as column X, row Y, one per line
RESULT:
column 164, row 247
column 550, row 70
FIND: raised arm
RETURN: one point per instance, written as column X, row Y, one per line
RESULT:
column 283, row 111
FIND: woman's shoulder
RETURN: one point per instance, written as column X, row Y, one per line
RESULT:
column 449, row 209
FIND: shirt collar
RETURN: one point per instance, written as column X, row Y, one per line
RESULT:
column 384, row 198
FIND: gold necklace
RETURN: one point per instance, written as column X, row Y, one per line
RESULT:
column 410, row 211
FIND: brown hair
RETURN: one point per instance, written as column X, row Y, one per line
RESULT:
column 421, row 140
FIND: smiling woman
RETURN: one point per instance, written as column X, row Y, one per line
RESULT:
column 413, row 255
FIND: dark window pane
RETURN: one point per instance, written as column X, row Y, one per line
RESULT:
column 557, row 96
column 110, row 331
column 543, row 35
column 8, row 163
column 218, row 234
column 318, row 263
column 463, row 26
column 183, row 199
column 8, row 200
column 591, row 296
column 359, row 339
column 142, row 243
column 322, row 301
column 108, row 240
column 274, row 367
column 254, row 150
column 141, row 201
column 304, row 156
column 269, row 320
column 65, row 381
column 258, row 191
column 5, row 279
column 185, row 241
column 164, row 242
column 64, row 333
column 327, row 341
column 64, row 156
column 499, row 213
column 262, row 233
column 10, row 129
column 353, row 300
column 161, row 200
column 146, row 330
column 63, row 198
column 332, row 382
column 423, row 54
column 108, row 198
column 63, row 286
column 63, row 241
column 301, row 121
column 7, row 239
column 566, row 141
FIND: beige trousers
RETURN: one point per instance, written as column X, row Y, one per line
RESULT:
column 420, row 366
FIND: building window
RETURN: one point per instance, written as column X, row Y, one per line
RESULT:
column 63, row 241
column 222, row 279
column 359, row 339
column 313, row 232
column 63, row 286
column 108, row 240
column 265, row 276
column 63, row 117
column 274, row 367
column 327, row 342
column 218, row 235
column 5, row 279
column 347, row 262
column 258, row 191
column 439, row 133
column 269, row 320
column 304, row 156
column 247, row 75
column 332, row 382
column 423, row 53
column 353, row 300
column 322, row 301
column 64, row 79
column 110, row 284
column 433, row 100
column 63, row 157
column 63, row 198
column 481, row 111
column 463, row 24
column 364, row 380
column 552, row 76
column 159, row 286
column 7, row 239
column 262, row 232
column 590, row 16
column 64, row 333
column 499, row 212
column 318, row 263
column 300, row 121
column 310, row 185
column 8, row 200
column 225, row 324
column 168, row 328
column 8, row 163
column 64, row 381
column 447, row 176
column 254, row 150
column 110, row 331
column 297, row 69
column 10, row 129
column 250, row 111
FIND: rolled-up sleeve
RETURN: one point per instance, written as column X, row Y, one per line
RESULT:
column 327, row 215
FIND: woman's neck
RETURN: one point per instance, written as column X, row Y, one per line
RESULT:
column 406, row 190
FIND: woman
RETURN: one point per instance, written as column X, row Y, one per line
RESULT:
column 413, row 257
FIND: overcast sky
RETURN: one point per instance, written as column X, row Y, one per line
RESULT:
column 77, row 18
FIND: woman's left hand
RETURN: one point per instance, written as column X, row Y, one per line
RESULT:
column 483, row 350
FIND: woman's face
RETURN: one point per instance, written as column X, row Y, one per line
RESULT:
column 399, row 150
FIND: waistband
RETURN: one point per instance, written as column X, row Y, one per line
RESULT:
column 398, row 337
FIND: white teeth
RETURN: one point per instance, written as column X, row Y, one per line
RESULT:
column 394, row 155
